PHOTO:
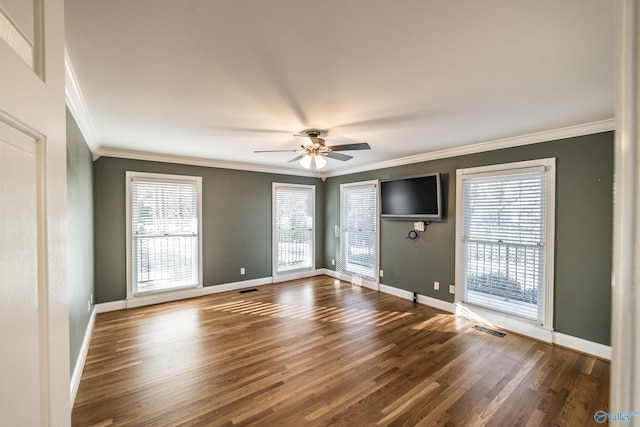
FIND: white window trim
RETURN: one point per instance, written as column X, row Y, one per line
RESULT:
column 130, row 176
column 345, row 275
column 274, row 258
column 543, row 332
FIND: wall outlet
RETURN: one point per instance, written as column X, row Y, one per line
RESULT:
column 88, row 305
column 381, row 273
column 91, row 298
column 333, row 261
column 452, row 289
column 436, row 286
column 242, row 270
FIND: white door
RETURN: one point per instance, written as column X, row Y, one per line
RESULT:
column 34, row 331
column 293, row 227
column 359, row 222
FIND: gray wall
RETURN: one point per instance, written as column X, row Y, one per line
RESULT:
column 236, row 210
column 237, row 227
column 79, row 234
column 584, row 217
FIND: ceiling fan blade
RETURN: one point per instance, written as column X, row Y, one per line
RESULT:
column 276, row 151
column 339, row 156
column 295, row 159
column 355, row 146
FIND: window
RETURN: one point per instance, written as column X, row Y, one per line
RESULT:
column 505, row 239
column 293, row 229
column 359, row 219
column 163, row 232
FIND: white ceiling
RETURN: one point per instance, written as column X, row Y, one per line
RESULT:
column 218, row 79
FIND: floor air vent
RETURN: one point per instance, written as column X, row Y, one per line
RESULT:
column 489, row 331
column 244, row 291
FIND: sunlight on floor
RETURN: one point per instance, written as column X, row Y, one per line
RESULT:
column 324, row 314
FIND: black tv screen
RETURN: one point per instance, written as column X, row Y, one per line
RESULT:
column 416, row 198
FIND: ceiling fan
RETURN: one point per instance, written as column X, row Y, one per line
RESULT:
column 312, row 155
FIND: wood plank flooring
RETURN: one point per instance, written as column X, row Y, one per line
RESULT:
column 322, row 352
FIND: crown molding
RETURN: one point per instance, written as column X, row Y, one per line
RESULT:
column 77, row 107
column 516, row 141
column 194, row 161
column 528, row 139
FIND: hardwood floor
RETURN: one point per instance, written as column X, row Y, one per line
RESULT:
column 323, row 352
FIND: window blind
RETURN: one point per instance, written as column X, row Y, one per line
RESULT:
column 359, row 236
column 503, row 240
column 294, row 221
column 164, row 231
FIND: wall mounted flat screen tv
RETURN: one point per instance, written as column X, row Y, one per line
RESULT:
column 416, row 198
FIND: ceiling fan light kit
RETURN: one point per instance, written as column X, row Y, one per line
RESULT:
column 313, row 155
column 313, row 162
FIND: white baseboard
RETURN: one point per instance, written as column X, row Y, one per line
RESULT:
column 437, row 303
column 422, row 299
column 400, row 293
column 369, row 284
column 111, row 306
column 82, row 357
column 234, row 286
column 285, row 277
column 330, row 273
column 142, row 301
column 584, row 346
